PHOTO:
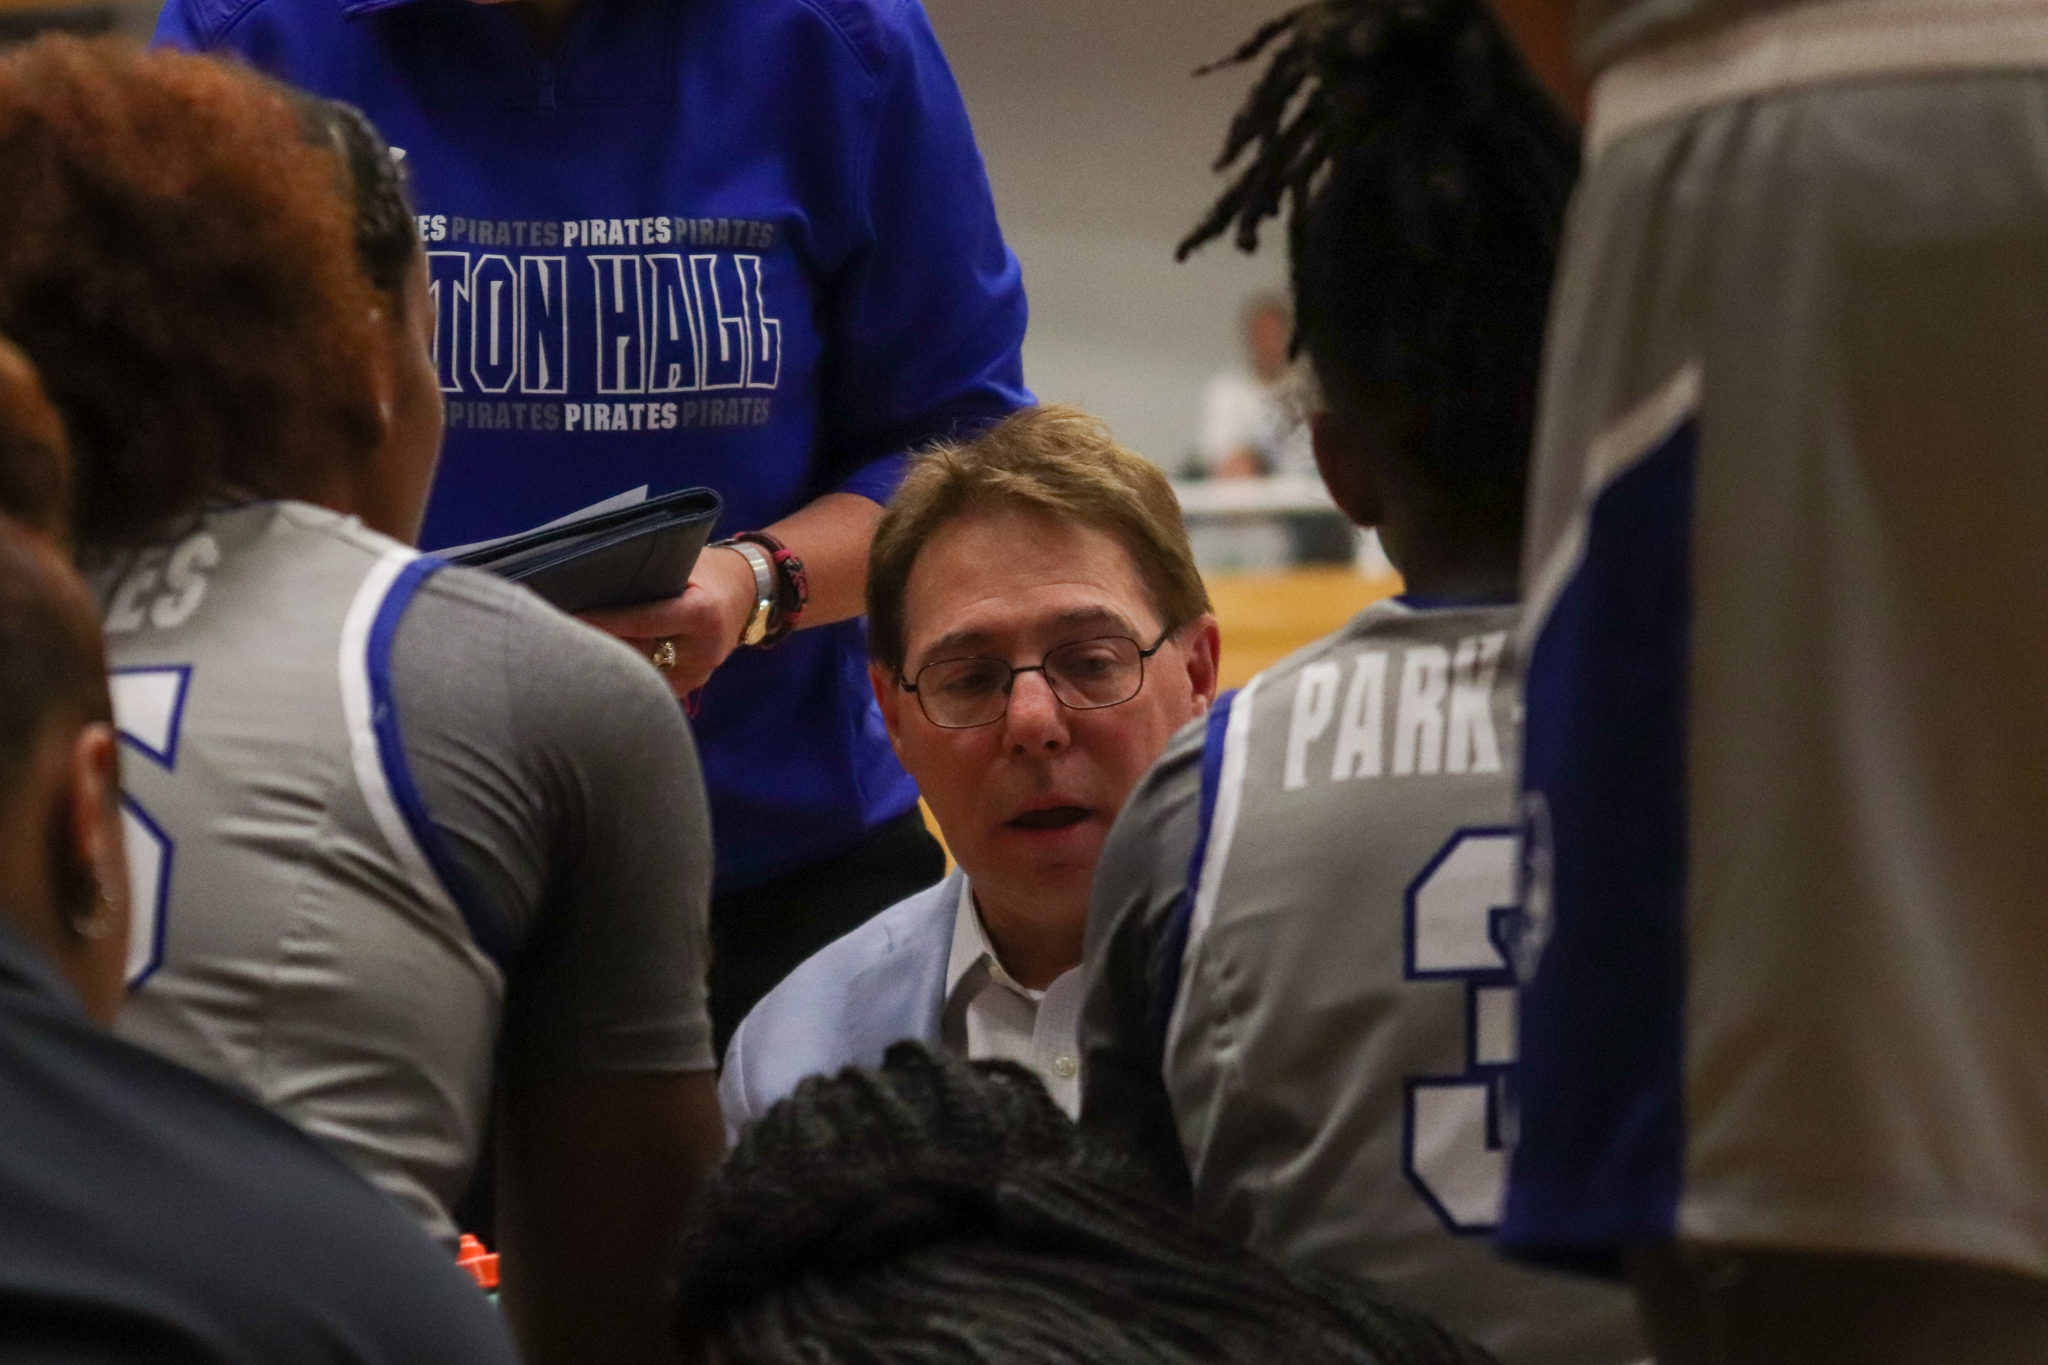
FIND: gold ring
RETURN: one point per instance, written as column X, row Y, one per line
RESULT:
column 664, row 655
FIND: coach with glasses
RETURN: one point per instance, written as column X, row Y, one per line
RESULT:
column 1037, row 632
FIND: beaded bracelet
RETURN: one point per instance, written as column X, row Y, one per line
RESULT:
column 792, row 585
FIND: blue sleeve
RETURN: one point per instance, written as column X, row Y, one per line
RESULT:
column 181, row 26
column 924, row 328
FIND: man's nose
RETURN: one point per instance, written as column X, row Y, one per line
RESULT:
column 1036, row 723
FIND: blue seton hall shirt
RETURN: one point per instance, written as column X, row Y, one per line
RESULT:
column 742, row 243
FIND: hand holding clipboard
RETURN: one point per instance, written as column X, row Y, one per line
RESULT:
column 617, row 558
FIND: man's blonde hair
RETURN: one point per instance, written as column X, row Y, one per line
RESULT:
column 1054, row 460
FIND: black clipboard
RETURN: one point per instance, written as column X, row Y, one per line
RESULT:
column 620, row 558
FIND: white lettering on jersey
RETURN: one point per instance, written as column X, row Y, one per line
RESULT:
column 1419, row 724
column 1443, row 715
column 1471, row 746
column 678, row 331
column 724, row 365
column 1358, row 732
column 621, row 324
column 127, row 612
column 182, row 574
column 1315, row 698
column 664, row 323
column 494, row 323
column 185, row 576
column 543, row 324
column 448, row 284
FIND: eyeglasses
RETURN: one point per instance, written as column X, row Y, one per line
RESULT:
column 1087, row 675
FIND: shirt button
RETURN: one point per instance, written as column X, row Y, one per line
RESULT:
column 1064, row 1067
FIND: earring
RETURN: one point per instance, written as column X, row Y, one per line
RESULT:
column 100, row 923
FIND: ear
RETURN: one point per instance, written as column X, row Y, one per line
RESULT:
column 1202, row 643
column 889, row 698
column 1345, row 457
column 99, row 955
column 383, row 369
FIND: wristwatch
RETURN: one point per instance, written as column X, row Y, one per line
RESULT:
column 759, row 621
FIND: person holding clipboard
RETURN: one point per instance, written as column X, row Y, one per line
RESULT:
column 743, row 244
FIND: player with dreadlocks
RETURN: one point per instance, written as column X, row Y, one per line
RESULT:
column 941, row 1212
column 1300, row 1013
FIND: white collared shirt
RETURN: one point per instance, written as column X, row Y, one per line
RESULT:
column 988, row 1016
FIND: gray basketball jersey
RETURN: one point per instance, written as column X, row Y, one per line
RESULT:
column 1345, row 1012
column 1612, row 29
column 290, row 936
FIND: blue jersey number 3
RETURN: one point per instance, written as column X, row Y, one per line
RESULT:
column 1459, row 911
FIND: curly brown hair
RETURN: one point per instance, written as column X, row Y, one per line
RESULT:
column 35, row 463
column 180, row 266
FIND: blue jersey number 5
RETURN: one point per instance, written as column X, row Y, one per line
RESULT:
column 149, row 704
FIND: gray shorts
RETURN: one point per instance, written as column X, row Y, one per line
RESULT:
column 1786, row 779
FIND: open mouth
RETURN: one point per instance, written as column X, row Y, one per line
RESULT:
column 1052, row 817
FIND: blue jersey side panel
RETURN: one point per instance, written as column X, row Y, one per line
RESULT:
column 1174, row 942
column 1599, row 1159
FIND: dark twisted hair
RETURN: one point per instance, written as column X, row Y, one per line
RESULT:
column 1424, row 172
column 386, row 233
column 935, row 1212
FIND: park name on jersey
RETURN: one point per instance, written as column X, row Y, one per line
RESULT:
column 1442, row 716
column 682, row 335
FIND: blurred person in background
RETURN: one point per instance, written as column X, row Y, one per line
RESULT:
column 1252, row 420
column 1255, row 424
column 627, row 301
column 1038, row 632
column 945, row 1213
column 386, row 875
column 151, row 1215
column 1300, row 1015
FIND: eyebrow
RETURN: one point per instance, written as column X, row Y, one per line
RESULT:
column 946, row 646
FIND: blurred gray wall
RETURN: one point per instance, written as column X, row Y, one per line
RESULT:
column 1098, row 140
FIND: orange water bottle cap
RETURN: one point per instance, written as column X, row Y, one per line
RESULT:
column 482, row 1265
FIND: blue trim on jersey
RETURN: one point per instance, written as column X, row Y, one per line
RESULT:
column 167, row 757
column 1173, row 944
column 493, row 937
column 1485, row 1078
column 1599, row 1160
column 161, row 909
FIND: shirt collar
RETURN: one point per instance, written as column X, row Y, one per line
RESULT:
column 970, row 941
column 971, row 949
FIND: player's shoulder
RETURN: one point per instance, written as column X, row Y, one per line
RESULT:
column 1144, row 861
column 1394, row 622
column 1174, row 780
column 1384, row 620
column 547, row 644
